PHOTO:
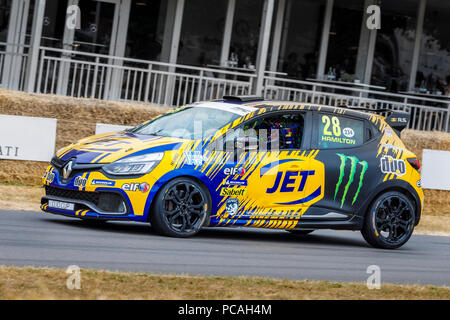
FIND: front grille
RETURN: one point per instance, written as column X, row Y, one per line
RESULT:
column 92, row 197
column 105, row 201
column 77, row 168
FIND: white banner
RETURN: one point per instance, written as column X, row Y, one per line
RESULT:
column 435, row 169
column 27, row 138
column 101, row 128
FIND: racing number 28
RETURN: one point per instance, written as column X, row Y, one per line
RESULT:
column 334, row 122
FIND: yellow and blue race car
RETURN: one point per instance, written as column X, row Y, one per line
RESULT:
column 245, row 161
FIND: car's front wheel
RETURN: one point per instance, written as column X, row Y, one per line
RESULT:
column 180, row 208
column 390, row 221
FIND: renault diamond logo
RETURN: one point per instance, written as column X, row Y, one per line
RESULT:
column 67, row 170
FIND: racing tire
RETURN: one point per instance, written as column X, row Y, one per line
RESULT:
column 389, row 223
column 300, row 232
column 180, row 208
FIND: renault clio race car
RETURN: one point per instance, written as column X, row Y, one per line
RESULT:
column 297, row 167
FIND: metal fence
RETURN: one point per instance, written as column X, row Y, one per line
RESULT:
column 80, row 74
column 432, row 116
column 13, row 62
column 83, row 74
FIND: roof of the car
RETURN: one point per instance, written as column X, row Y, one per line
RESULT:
column 272, row 105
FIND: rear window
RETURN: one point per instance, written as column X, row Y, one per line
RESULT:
column 335, row 131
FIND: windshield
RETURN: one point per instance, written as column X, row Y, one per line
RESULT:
column 188, row 123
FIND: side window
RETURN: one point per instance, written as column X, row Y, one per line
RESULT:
column 371, row 131
column 286, row 130
column 336, row 131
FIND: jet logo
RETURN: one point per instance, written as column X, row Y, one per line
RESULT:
column 289, row 181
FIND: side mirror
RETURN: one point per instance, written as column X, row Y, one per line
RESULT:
column 247, row 143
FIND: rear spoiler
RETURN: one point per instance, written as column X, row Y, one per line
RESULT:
column 398, row 120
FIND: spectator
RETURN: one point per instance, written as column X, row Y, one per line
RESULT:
column 447, row 88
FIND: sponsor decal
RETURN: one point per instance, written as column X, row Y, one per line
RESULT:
column 401, row 120
column 355, row 164
column 419, row 183
column 236, row 182
column 233, row 171
column 288, row 180
column 388, row 131
column 232, row 206
column 331, row 131
column 293, row 187
column 50, row 177
column 143, row 187
column 391, row 165
column 338, row 140
column 108, row 183
column 233, row 191
column 348, row 132
column 80, row 182
column 391, row 146
column 194, row 158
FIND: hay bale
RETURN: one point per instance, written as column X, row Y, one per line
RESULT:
column 416, row 141
column 76, row 119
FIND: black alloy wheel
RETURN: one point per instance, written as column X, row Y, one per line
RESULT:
column 390, row 221
column 180, row 208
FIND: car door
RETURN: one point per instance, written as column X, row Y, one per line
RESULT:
column 274, row 184
column 347, row 148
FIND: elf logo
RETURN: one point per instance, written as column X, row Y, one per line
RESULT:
column 143, row 187
column 391, row 165
column 233, row 171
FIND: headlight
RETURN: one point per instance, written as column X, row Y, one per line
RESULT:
column 134, row 165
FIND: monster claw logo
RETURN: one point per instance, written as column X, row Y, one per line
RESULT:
column 354, row 161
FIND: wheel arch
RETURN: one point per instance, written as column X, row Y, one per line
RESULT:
column 393, row 185
column 160, row 185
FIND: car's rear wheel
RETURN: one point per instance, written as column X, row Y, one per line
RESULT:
column 180, row 208
column 390, row 221
column 301, row 232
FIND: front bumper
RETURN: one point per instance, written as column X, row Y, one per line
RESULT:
column 89, row 205
column 106, row 203
column 85, row 214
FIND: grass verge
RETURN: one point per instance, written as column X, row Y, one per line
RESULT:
column 49, row 283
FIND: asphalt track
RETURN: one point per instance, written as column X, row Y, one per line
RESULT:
column 32, row 238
